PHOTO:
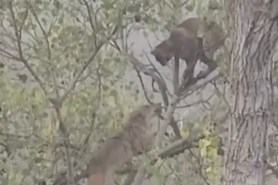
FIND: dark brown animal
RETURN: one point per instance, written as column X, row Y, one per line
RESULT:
column 135, row 137
column 191, row 40
column 181, row 36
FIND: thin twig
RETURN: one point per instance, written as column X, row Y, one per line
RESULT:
column 42, row 29
column 141, row 67
column 200, row 168
column 85, row 3
column 79, row 73
column 20, row 51
column 143, row 87
column 87, row 63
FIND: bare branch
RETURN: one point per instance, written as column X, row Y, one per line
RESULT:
column 170, row 151
column 143, row 87
column 200, row 168
column 273, row 169
column 175, row 128
column 153, row 67
column 176, row 99
column 62, row 128
column 9, row 55
column 85, row 3
column 42, row 29
column 201, row 83
column 167, row 119
column 17, row 33
column 178, row 147
column 79, row 73
column 138, row 180
column 87, row 63
column 142, row 68
column 86, row 140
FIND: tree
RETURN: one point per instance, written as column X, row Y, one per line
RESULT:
column 71, row 71
column 255, row 36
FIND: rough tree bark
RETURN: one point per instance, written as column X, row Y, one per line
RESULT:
column 254, row 39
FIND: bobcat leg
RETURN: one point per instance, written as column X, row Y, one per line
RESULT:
column 211, row 66
column 188, row 72
column 176, row 74
column 188, row 78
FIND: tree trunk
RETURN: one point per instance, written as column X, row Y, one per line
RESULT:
column 254, row 37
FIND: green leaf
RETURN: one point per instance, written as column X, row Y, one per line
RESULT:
column 212, row 152
column 203, row 144
column 18, row 98
column 39, row 97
